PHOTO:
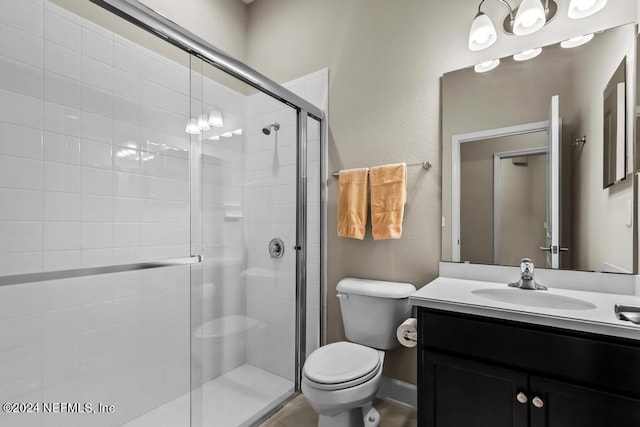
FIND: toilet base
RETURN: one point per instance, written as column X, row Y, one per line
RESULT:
column 366, row 416
column 357, row 417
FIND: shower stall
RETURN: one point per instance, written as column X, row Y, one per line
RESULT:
column 161, row 222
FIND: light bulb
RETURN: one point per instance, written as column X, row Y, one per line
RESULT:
column 482, row 33
column 530, row 17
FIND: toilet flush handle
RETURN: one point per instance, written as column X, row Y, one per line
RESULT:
column 341, row 296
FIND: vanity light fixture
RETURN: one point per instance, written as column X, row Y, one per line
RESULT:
column 527, row 54
column 526, row 19
column 579, row 9
column 483, row 67
column 576, row 41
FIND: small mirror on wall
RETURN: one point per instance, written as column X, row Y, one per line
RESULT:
column 614, row 166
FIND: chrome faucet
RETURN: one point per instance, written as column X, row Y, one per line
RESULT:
column 526, row 279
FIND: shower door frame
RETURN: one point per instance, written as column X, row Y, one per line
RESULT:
column 144, row 17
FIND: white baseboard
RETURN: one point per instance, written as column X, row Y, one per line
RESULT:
column 398, row 392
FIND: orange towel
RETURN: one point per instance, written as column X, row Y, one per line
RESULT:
column 388, row 195
column 352, row 203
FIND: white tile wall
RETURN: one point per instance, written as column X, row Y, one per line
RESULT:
column 270, row 205
column 74, row 193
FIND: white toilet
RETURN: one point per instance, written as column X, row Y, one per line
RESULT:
column 340, row 379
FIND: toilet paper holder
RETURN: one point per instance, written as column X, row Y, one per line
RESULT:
column 411, row 336
column 407, row 332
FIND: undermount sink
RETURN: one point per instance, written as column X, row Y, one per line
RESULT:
column 534, row 299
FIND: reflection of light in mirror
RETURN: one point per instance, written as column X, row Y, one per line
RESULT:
column 237, row 132
column 192, row 127
column 582, row 8
column 576, row 41
column 148, row 156
column 483, row 67
column 215, row 138
column 127, row 153
column 227, row 135
column 203, row 122
column 527, row 54
column 215, row 119
column 529, row 18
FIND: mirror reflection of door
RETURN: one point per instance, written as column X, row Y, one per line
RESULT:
column 520, row 206
column 516, row 227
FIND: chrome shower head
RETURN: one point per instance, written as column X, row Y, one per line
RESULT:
column 267, row 129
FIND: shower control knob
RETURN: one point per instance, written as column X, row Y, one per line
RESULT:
column 522, row 398
column 276, row 248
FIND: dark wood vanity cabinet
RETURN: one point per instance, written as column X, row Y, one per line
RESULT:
column 482, row 372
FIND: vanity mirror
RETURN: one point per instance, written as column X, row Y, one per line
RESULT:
column 523, row 155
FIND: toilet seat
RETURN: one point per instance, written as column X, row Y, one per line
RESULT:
column 341, row 365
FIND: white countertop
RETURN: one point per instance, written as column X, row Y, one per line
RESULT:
column 456, row 295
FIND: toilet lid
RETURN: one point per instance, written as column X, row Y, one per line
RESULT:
column 341, row 362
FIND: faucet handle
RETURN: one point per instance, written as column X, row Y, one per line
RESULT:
column 526, row 268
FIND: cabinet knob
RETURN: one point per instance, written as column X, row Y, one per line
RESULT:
column 522, row 398
column 537, row 402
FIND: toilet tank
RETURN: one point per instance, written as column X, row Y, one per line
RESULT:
column 372, row 310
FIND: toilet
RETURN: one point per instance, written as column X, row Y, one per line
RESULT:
column 341, row 379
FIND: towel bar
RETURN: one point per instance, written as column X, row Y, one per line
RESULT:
column 425, row 166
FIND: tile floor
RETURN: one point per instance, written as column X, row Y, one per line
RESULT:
column 298, row 413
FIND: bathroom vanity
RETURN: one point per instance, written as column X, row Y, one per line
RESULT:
column 561, row 358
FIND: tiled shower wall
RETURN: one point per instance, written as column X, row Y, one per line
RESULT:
column 93, row 171
column 93, row 157
column 270, row 194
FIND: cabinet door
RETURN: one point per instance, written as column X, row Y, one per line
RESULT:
column 461, row 393
column 566, row 405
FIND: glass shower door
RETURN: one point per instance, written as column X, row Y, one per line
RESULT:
column 95, row 256
column 245, row 344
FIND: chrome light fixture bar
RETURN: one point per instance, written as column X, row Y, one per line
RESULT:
column 526, row 19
